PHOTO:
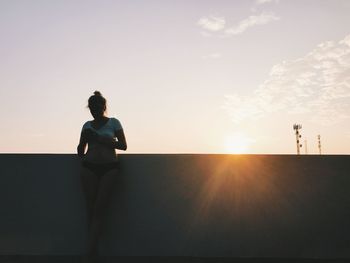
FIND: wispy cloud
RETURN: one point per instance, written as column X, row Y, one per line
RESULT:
column 251, row 21
column 260, row 3
column 212, row 23
column 317, row 84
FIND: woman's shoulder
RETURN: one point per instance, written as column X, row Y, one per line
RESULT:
column 113, row 118
column 87, row 124
column 116, row 123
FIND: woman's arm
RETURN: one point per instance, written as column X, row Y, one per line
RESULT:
column 121, row 143
column 82, row 144
column 110, row 142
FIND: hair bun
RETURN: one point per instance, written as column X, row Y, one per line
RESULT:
column 97, row 93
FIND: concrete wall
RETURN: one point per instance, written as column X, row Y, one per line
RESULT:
column 182, row 205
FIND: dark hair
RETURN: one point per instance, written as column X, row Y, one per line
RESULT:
column 97, row 99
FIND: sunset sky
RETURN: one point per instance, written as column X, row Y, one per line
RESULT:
column 181, row 76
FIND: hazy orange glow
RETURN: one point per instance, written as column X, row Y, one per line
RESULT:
column 238, row 187
column 237, row 143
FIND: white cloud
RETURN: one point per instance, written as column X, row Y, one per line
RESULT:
column 212, row 23
column 261, row 3
column 317, row 84
column 251, row 21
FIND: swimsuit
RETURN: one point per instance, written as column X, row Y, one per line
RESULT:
column 109, row 129
column 100, row 169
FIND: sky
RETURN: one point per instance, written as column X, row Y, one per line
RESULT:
column 188, row 76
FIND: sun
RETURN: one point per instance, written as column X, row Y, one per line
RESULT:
column 237, row 143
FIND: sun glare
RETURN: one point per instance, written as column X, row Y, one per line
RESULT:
column 237, row 143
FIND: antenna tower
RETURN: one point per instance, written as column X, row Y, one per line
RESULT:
column 297, row 127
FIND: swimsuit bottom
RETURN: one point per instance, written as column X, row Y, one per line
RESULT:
column 100, row 169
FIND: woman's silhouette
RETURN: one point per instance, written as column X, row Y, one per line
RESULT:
column 99, row 165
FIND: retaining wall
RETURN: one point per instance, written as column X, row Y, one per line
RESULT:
column 182, row 205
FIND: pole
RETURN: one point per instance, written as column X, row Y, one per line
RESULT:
column 319, row 144
column 297, row 127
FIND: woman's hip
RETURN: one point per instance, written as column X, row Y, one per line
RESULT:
column 100, row 169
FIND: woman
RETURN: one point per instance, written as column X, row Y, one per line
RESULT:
column 99, row 165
